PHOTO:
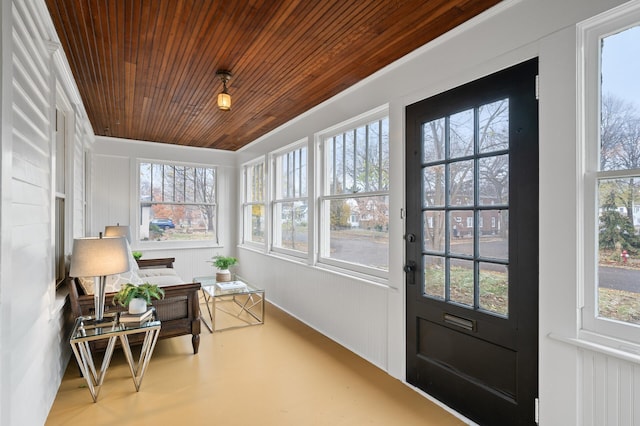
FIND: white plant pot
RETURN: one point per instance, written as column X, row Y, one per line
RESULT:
column 223, row 275
column 137, row 306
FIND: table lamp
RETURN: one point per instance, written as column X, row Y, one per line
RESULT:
column 118, row 231
column 97, row 258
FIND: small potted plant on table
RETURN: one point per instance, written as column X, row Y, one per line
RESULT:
column 137, row 297
column 223, row 263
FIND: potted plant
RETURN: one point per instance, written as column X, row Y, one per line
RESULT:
column 137, row 255
column 137, row 297
column 223, row 263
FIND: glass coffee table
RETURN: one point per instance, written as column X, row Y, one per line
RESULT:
column 87, row 330
column 241, row 303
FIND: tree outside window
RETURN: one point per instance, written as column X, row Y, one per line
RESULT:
column 618, row 179
column 355, row 200
column 177, row 202
column 290, row 205
column 254, row 203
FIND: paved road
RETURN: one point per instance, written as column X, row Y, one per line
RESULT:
column 365, row 251
column 620, row 278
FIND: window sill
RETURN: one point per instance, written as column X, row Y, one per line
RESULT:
column 626, row 351
column 360, row 276
column 59, row 302
column 173, row 245
column 365, row 278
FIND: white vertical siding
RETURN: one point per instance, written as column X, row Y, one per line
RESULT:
column 111, row 195
column 350, row 311
column 190, row 262
column 611, row 390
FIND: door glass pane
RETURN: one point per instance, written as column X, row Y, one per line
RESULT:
column 494, row 180
column 494, row 126
column 461, row 134
column 433, row 231
column 461, row 183
column 434, row 276
column 434, row 186
column 494, row 242
column 450, row 184
column 433, row 140
column 461, row 281
column 494, row 288
column 461, row 234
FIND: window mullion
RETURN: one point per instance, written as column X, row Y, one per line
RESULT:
column 366, row 158
column 355, row 162
column 379, row 154
column 344, row 162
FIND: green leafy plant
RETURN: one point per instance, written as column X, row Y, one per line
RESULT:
column 136, row 255
column 224, row 262
column 145, row 291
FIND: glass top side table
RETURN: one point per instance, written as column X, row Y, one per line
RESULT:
column 247, row 302
column 86, row 329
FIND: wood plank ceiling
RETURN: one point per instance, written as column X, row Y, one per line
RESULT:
column 146, row 69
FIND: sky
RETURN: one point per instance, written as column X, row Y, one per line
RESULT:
column 621, row 65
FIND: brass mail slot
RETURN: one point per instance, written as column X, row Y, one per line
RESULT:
column 467, row 324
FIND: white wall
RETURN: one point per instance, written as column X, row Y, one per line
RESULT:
column 33, row 337
column 114, row 164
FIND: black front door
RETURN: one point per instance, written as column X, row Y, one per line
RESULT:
column 472, row 247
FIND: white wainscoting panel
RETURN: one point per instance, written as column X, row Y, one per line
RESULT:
column 110, row 198
column 611, row 390
column 350, row 311
column 190, row 262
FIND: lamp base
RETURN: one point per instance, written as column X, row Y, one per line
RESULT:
column 98, row 297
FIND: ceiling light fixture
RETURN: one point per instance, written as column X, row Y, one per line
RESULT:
column 224, row 98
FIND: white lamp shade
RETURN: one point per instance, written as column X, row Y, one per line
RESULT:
column 118, row 231
column 96, row 257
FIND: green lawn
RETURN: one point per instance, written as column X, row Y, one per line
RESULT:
column 614, row 304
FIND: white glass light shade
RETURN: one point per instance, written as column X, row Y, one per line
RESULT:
column 224, row 101
column 118, row 231
column 96, row 257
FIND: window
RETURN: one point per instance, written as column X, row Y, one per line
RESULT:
column 253, row 207
column 290, row 204
column 612, row 178
column 61, row 248
column 177, row 202
column 356, row 185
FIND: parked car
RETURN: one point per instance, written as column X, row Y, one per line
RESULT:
column 163, row 223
